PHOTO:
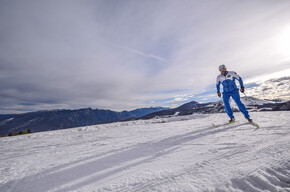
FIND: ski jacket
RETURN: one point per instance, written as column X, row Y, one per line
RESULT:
column 228, row 81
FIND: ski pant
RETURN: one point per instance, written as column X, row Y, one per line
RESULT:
column 236, row 97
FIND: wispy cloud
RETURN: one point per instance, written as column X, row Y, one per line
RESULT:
column 144, row 54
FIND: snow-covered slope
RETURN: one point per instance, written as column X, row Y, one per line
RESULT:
column 168, row 154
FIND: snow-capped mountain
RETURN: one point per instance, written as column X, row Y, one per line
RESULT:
column 283, row 106
column 190, row 105
column 61, row 119
column 251, row 103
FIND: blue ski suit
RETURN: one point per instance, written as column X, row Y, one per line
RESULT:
column 230, row 90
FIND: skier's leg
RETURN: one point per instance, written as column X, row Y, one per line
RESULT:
column 226, row 99
column 237, row 99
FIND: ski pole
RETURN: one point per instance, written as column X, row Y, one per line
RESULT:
column 251, row 102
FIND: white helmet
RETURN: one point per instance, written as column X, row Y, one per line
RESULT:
column 221, row 67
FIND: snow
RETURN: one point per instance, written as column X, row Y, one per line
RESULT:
column 164, row 154
column 256, row 101
column 5, row 121
column 176, row 113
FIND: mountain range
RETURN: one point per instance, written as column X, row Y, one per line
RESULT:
column 62, row 119
column 251, row 103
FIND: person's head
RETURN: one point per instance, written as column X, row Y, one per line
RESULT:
column 222, row 69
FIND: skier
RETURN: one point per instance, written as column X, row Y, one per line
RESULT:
column 227, row 79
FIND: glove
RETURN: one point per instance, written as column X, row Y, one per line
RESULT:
column 219, row 93
column 242, row 89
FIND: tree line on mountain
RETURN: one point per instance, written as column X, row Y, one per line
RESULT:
column 27, row 131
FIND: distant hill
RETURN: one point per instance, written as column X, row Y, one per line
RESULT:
column 191, row 105
column 62, row 119
column 2, row 117
column 283, row 107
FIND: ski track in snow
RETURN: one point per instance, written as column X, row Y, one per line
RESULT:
column 167, row 154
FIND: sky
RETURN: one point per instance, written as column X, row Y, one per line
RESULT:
column 128, row 54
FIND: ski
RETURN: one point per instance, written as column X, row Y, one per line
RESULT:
column 254, row 124
column 215, row 126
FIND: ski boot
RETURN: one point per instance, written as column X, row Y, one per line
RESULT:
column 250, row 120
column 232, row 120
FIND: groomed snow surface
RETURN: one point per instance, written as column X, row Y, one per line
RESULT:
column 170, row 154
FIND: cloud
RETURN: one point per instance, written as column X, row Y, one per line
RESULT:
column 128, row 54
column 272, row 89
column 178, row 99
column 144, row 54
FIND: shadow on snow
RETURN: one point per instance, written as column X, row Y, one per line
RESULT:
column 75, row 175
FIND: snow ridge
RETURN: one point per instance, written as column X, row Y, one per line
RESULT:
column 272, row 179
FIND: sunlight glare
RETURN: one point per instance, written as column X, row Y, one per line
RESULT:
column 263, row 78
column 283, row 42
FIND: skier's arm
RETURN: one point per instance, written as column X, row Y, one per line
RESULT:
column 241, row 82
column 218, row 88
column 218, row 84
column 236, row 76
column 242, row 85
